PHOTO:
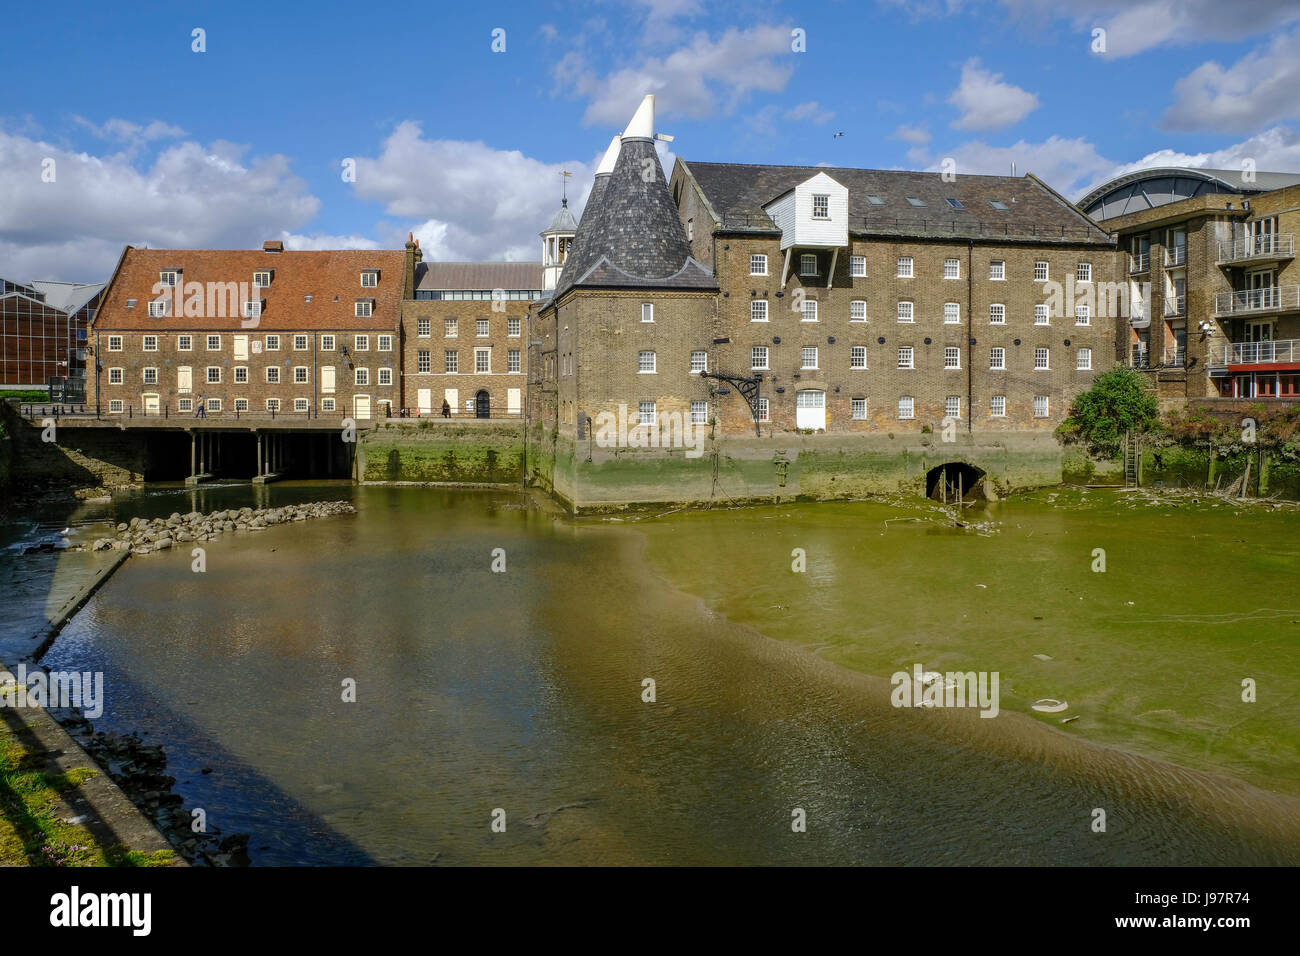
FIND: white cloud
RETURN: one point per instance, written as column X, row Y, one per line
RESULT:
column 189, row 196
column 128, row 132
column 298, row 242
column 1133, row 26
column 1064, row 164
column 470, row 201
column 1274, row 150
column 1259, row 88
column 988, row 103
column 908, row 133
column 811, row 112
column 701, row 80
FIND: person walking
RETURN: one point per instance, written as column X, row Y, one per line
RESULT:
column 446, row 409
column 201, row 408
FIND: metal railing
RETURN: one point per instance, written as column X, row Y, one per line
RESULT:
column 1175, row 305
column 1176, row 256
column 1255, row 353
column 1137, row 356
column 1258, row 300
column 1273, row 245
column 1176, row 356
column 34, row 411
column 1139, row 263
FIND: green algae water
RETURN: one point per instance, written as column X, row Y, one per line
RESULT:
column 524, row 690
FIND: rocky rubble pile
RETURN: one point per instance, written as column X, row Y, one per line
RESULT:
column 143, row 536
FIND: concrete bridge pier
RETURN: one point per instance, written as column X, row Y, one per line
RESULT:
column 270, row 457
column 199, row 458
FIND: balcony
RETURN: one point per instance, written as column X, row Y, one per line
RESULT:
column 1137, row 356
column 1273, row 299
column 1139, row 263
column 1175, row 256
column 1269, row 248
column 1281, row 352
column 1175, row 356
column 1175, row 305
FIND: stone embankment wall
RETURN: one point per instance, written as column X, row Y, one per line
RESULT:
column 585, row 476
column 85, row 457
column 459, row 453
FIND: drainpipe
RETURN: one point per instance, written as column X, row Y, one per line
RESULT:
column 96, row 363
column 970, row 334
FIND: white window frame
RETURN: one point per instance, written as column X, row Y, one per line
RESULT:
column 906, row 357
column 482, row 328
column 809, row 311
column 209, row 378
column 647, row 311
column 647, row 414
column 482, row 367
column 854, row 404
column 952, row 313
column 757, row 264
column 951, row 357
column 997, row 359
column 906, row 408
column 369, row 279
column 857, row 267
column 304, row 371
column 115, row 343
column 821, row 206
column 158, row 307
column 952, row 268
column 647, row 362
column 361, row 376
column 1041, row 270
column 804, row 354
column 1083, row 360
column 998, row 406
column 304, row 346
column 947, row 407
column 185, row 343
column 364, row 309
column 1046, row 411
column 211, row 347
column 1083, row 272
column 514, row 328
column 149, row 343
column 858, row 310
column 906, row 267
column 857, row 357
column 1045, row 354
column 703, row 364
column 259, row 282
column 808, row 264
column 757, row 306
column 997, row 270
column 384, row 375
column 906, row 311
column 1042, row 315
column 997, row 314
column 699, row 411
column 1082, row 314
column 272, row 375
column 753, row 358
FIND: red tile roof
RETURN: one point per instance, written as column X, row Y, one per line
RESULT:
column 332, row 279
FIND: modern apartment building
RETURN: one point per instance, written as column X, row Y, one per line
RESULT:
column 248, row 332
column 1210, row 258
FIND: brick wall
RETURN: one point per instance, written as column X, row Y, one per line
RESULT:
column 506, row 389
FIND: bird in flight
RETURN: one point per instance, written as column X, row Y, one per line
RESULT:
column 836, row 135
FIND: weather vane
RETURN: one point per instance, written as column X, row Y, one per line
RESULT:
column 564, row 186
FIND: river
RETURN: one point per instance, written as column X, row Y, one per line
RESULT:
column 522, row 690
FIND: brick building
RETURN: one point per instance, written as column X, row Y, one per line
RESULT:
column 250, row 333
column 889, row 300
column 1211, row 255
column 463, row 337
column 43, row 334
column 854, row 300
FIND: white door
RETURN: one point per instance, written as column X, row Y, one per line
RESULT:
column 150, row 403
column 513, row 401
column 327, row 379
column 241, row 348
column 810, row 409
column 184, row 379
column 361, row 407
column 424, row 399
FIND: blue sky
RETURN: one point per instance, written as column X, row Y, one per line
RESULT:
column 155, row 143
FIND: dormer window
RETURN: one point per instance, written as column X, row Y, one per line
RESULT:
column 915, row 202
column 158, row 307
column 369, row 280
column 261, row 280
column 955, row 203
column 252, row 308
column 875, row 200
column 364, row 307
column 997, row 204
column 807, row 265
column 167, row 278
column 821, row 206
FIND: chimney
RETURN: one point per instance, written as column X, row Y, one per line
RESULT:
column 273, row 245
column 413, row 256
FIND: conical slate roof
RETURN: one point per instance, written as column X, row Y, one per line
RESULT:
column 630, row 235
